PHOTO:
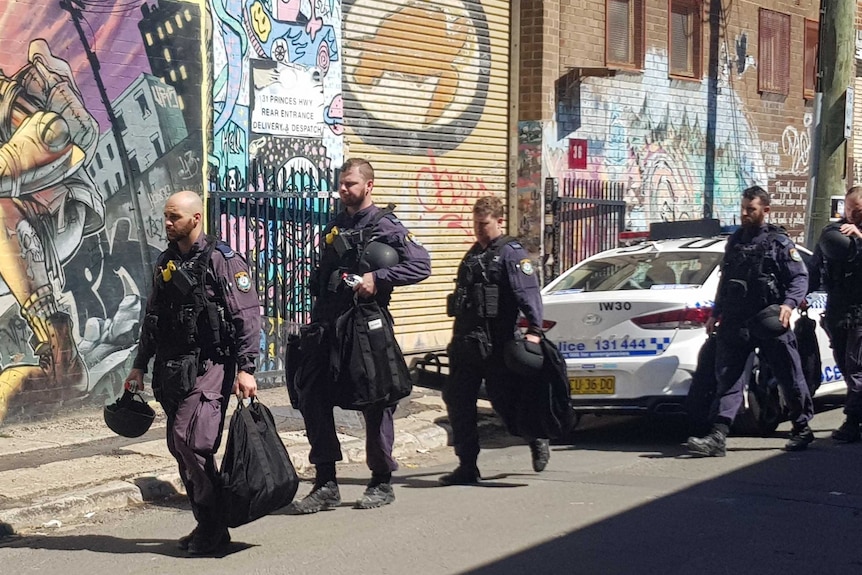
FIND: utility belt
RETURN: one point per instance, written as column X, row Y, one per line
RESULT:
column 482, row 299
column 174, row 377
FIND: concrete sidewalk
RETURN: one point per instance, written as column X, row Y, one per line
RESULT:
column 69, row 468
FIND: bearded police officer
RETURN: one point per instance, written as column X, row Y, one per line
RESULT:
column 496, row 280
column 762, row 280
column 203, row 327
column 837, row 266
column 360, row 225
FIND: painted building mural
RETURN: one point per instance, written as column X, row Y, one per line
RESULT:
column 86, row 160
column 208, row 95
column 649, row 132
column 278, row 120
column 426, row 91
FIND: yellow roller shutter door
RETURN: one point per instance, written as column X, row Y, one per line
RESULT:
column 426, row 96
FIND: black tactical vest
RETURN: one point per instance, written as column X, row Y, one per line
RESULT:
column 478, row 293
column 187, row 320
column 750, row 276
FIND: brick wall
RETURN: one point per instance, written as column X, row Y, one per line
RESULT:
column 680, row 147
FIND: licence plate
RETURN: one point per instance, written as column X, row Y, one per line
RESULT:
column 605, row 385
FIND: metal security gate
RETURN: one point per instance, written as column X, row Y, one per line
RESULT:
column 275, row 222
column 587, row 218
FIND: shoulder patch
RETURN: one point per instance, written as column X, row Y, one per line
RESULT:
column 225, row 249
column 412, row 239
column 526, row 267
column 243, row 282
column 795, row 255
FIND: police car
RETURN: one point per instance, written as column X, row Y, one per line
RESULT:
column 630, row 323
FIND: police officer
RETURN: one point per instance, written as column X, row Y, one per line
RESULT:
column 359, row 222
column 837, row 265
column 203, row 327
column 762, row 280
column 495, row 281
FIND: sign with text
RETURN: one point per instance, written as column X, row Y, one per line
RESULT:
column 287, row 100
column 577, row 154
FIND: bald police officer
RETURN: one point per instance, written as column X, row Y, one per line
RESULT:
column 496, row 281
column 362, row 221
column 203, row 327
column 762, row 274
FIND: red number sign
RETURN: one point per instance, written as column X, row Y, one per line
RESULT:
column 577, row 154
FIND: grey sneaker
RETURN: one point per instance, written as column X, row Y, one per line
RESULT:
column 713, row 444
column 321, row 498
column 540, row 451
column 376, row 496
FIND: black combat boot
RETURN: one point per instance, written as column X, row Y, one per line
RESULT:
column 464, row 474
column 848, row 432
column 800, row 437
column 540, row 450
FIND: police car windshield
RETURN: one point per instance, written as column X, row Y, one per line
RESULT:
column 666, row 270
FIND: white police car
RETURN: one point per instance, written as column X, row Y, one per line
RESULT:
column 630, row 323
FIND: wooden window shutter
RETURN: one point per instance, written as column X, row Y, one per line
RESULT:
column 624, row 33
column 684, row 38
column 773, row 67
column 812, row 38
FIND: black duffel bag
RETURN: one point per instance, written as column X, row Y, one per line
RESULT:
column 257, row 475
column 805, row 331
column 368, row 366
column 545, row 406
column 307, row 361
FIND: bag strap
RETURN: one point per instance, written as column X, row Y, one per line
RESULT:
column 256, row 441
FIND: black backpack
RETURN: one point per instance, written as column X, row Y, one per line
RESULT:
column 257, row 474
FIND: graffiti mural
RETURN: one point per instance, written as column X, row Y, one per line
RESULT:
column 654, row 141
column 277, row 75
column 278, row 123
column 88, row 153
column 446, row 73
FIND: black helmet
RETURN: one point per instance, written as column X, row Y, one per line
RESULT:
column 766, row 323
column 129, row 416
column 835, row 245
column 523, row 357
column 377, row 256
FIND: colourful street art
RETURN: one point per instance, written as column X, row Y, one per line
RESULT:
column 87, row 158
column 649, row 132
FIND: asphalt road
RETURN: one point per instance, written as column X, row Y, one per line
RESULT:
column 621, row 497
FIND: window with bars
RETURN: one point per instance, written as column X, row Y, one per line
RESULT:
column 685, row 31
column 773, row 66
column 624, row 33
column 812, row 38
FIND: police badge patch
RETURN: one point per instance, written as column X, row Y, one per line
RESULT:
column 243, row 282
column 795, row 255
column 411, row 238
column 526, row 267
